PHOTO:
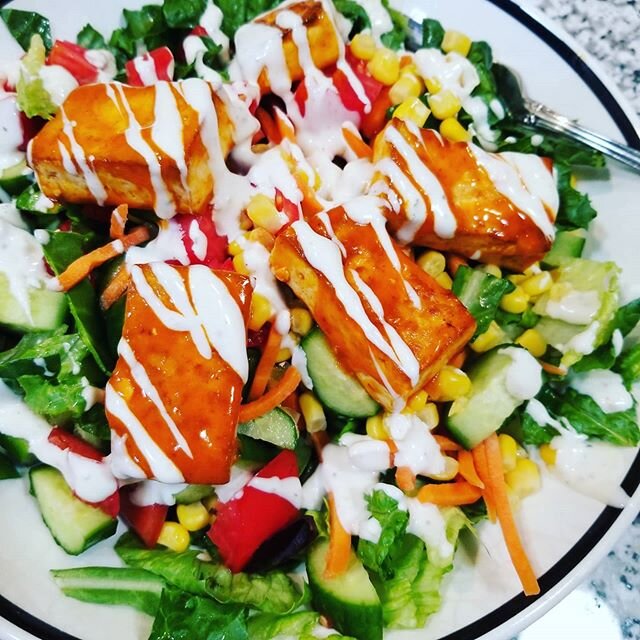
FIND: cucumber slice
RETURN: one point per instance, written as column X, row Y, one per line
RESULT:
column 74, row 524
column 18, row 450
column 276, row 427
column 475, row 417
column 194, row 493
column 34, row 201
column 350, row 600
column 568, row 244
column 335, row 388
column 48, row 309
column 16, row 179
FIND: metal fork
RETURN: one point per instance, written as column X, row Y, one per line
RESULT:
column 534, row 114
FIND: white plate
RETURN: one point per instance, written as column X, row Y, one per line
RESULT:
column 565, row 533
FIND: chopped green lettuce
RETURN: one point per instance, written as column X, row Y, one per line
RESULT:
column 628, row 366
column 183, row 14
column 303, row 625
column 432, row 33
column 355, row 13
column 237, row 12
column 89, row 38
column 32, row 96
column 395, row 38
column 23, row 25
column 575, row 210
column 272, row 592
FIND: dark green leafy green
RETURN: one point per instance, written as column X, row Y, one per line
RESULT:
column 627, row 317
column 480, row 292
column 534, row 433
column 183, row 14
column 92, row 427
column 272, row 592
column 7, row 468
column 575, row 211
column 355, row 13
column 432, row 33
column 476, row 512
column 393, row 522
column 89, row 38
column 183, row 616
column 237, row 12
column 23, row 24
column 526, row 320
column 395, row 38
column 112, row 585
column 628, row 365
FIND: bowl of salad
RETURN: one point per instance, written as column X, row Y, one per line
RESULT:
column 303, row 333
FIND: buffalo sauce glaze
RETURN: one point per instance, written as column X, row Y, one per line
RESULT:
column 175, row 393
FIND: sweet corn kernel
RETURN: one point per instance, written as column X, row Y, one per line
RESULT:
column 525, row 478
column 456, row 41
column 384, row 66
column 444, row 280
column 417, row 401
column 301, row 321
column 245, row 222
column 313, row 413
column 284, row 354
column 363, row 46
column 444, row 104
column 234, row 248
column 408, row 85
column 508, row 451
column 491, row 338
column 548, row 454
column 533, row 342
column 239, row 265
column 260, row 313
column 261, row 236
column 451, row 467
column 376, row 428
column 174, row 536
column 433, row 262
column 193, row 516
column 515, row 302
column 537, row 284
column 429, row 415
column 210, row 503
column 533, row 270
column 517, row 278
column 493, row 270
column 413, row 110
column 452, row 383
column 433, row 85
column 452, row 130
column 263, row 213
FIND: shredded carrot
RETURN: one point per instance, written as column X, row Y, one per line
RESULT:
column 357, row 144
column 115, row 289
column 458, row 360
column 505, row 518
column 272, row 398
column 482, row 468
column 285, row 126
column 454, row 262
column 405, row 61
column 118, row 221
column 266, row 364
column 393, row 447
column 339, row 544
column 552, row 369
column 467, row 469
column 374, row 121
column 447, row 444
column 406, row 479
column 83, row 266
column 268, row 125
column 451, row 494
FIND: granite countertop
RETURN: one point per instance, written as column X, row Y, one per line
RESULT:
column 607, row 605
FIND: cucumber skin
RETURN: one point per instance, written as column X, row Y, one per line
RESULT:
column 360, row 619
column 193, row 493
column 336, row 389
column 567, row 245
column 276, row 427
column 105, row 527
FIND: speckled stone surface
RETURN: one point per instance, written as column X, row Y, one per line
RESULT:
column 607, row 605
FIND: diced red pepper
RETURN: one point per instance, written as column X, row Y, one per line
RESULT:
column 198, row 30
column 370, row 85
column 215, row 254
column 258, row 338
column 161, row 61
column 245, row 522
column 65, row 440
column 145, row 521
column 72, row 57
column 110, row 505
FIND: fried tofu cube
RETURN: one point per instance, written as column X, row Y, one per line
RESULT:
column 320, row 31
column 174, row 396
column 454, row 196
column 388, row 322
column 113, row 144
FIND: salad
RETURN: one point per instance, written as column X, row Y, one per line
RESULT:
column 282, row 287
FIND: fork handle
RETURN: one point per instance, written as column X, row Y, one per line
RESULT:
column 541, row 116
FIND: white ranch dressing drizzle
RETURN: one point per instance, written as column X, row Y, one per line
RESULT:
column 605, row 387
column 104, row 61
column 198, row 239
column 146, row 68
column 94, row 184
column 299, row 361
column 141, row 378
column 378, row 17
column 11, row 128
column 584, row 342
column 444, row 221
column 167, row 245
column 574, row 307
column 152, row 492
column 194, row 51
column 288, row 489
column 239, row 478
column 90, row 480
column 57, row 82
column 211, row 22
column 537, row 178
column 67, row 162
column 617, row 340
column 323, row 216
column 524, row 376
column 539, row 413
column 121, row 463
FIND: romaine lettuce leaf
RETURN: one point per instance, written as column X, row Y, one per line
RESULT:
column 272, row 592
column 303, row 625
column 183, row 616
column 24, row 24
column 628, row 366
column 58, row 403
column 354, row 12
column 32, row 96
